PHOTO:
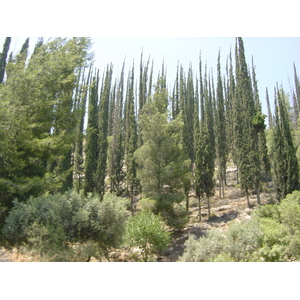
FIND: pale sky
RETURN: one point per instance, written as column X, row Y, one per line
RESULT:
column 273, row 56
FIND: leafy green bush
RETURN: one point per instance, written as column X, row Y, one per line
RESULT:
column 204, row 249
column 50, row 224
column 272, row 234
column 243, row 239
column 148, row 232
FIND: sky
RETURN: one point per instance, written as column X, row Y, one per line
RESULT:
column 273, row 57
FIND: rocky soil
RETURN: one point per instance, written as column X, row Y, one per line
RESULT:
column 232, row 207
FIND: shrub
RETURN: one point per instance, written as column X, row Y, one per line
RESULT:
column 204, row 249
column 243, row 239
column 239, row 243
column 148, row 232
column 289, row 210
column 49, row 224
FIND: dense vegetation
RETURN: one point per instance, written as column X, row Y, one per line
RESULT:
column 73, row 144
column 271, row 235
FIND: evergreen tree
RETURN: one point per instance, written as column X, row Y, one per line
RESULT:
column 163, row 164
column 3, row 57
column 117, row 148
column 246, row 139
column 103, row 132
column 198, row 166
column 91, row 148
column 259, row 124
column 22, row 56
column 131, row 141
column 81, row 97
column 286, row 164
column 270, row 118
column 37, row 109
column 221, row 139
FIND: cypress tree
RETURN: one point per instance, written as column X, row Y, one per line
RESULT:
column 221, row 139
column 270, row 118
column 259, row 124
column 286, row 166
column 22, row 56
column 82, row 95
column 103, row 132
column 117, row 148
column 131, row 141
column 91, row 148
column 246, row 139
column 3, row 57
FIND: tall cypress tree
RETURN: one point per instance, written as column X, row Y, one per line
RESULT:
column 117, row 145
column 131, row 140
column 91, row 148
column 246, row 139
column 3, row 57
column 103, row 132
column 81, row 96
column 286, row 164
column 259, row 123
column 221, row 140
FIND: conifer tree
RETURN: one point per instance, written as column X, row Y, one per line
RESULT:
column 3, row 58
column 131, row 140
column 285, row 161
column 221, row 139
column 270, row 118
column 103, row 132
column 117, row 144
column 81, row 99
column 246, row 139
column 208, row 144
column 259, row 124
column 91, row 148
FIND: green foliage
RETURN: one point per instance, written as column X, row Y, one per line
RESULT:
column 148, row 232
column 163, row 164
column 39, row 123
column 49, row 224
column 258, row 122
column 204, row 249
column 271, row 235
column 243, row 239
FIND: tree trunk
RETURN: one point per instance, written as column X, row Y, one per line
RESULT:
column 199, row 204
column 131, row 199
column 220, row 185
column 257, row 192
column 208, row 207
column 247, row 195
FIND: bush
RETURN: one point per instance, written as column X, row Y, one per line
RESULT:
column 148, row 232
column 50, row 224
column 204, row 249
column 272, row 234
column 243, row 239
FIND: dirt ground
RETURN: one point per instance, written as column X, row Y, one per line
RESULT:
column 232, row 207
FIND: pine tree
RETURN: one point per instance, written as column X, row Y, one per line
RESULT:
column 3, row 57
